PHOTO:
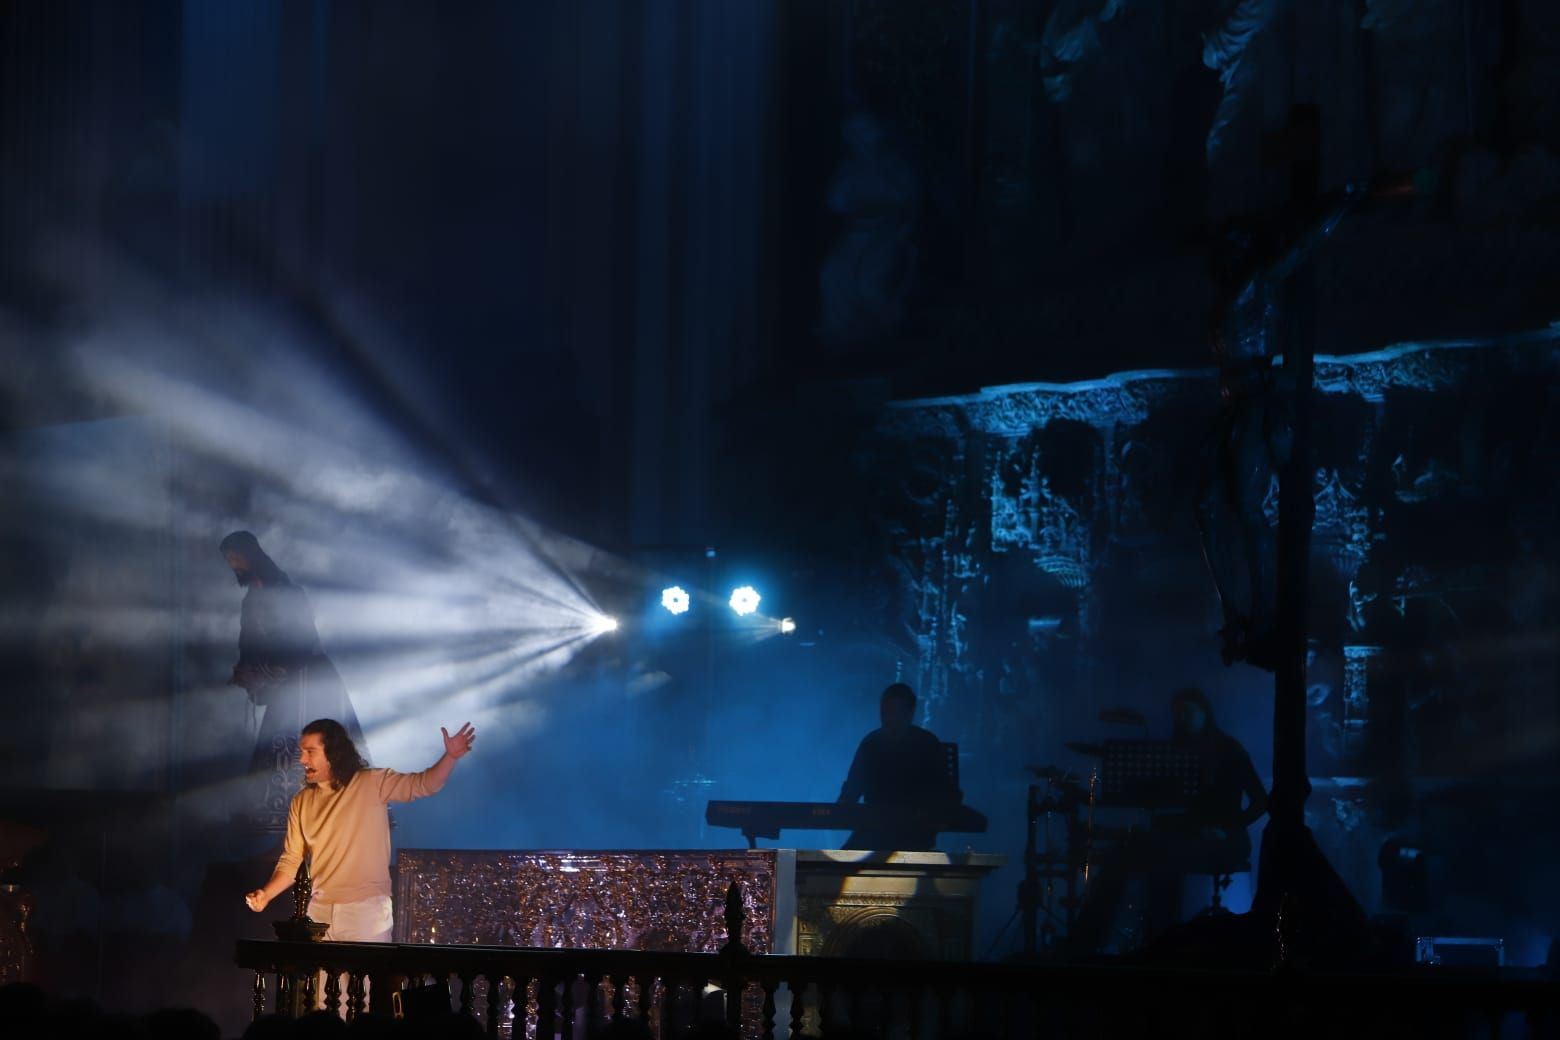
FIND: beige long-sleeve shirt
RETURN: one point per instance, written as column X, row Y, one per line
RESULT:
column 346, row 832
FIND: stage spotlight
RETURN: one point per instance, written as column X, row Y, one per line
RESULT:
column 675, row 600
column 787, row 626
column 744, row 600
column 603, row 623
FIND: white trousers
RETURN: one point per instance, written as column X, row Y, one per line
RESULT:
column 368, row 920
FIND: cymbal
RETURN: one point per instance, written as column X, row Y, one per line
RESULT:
column 1056, row 773
column 1096, row 750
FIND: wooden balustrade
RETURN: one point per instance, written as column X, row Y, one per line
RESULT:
column 565, row 994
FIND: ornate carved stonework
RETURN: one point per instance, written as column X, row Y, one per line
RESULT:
column 1035, row 529
column 270, row 793
column 900, row 904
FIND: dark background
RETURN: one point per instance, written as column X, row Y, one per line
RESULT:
column 650, row 274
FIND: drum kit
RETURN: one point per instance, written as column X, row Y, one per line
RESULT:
column 1062, row 800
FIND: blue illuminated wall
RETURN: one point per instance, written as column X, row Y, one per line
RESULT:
column 1048, row 566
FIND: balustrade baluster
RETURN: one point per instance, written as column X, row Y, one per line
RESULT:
column 768, row 1026
column 735, row 990
column 386, row 1005
column 354, row 994
column 592, row 1003
column 525, row 998
column 421, row 979
column 381, row 998
column 825, row 1006
column 567, row 1012
column 495, row 999
column 798, row 1008
column 332, row 991
column 378, row 987
column 644, row 993
column 468, row 981
column 546, row 1009
column 901, row 1001
column 666, row 1016
column 619, row 985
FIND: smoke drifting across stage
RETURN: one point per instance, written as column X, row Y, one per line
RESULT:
column 165, row 419
column 1021, row 596
column 203, row 415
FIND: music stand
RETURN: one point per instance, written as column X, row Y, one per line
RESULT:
column 1150, row 774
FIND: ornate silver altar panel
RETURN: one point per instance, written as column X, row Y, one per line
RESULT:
column 601, row 900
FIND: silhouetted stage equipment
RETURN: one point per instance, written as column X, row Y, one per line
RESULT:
column 1460, row 952
column 1149, row 774
column 904, row 904
column 1144, row 774
column 1064, row 779
column 1160, row 776
column 767, row 819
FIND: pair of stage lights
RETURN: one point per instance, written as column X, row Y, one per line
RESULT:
column 744, row 601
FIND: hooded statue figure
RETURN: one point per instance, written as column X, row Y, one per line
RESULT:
column 287, row 676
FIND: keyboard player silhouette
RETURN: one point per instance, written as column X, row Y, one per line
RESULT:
column 903, row 777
